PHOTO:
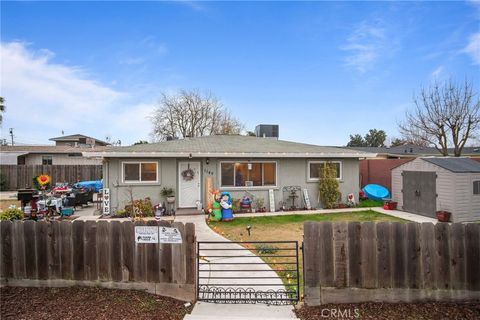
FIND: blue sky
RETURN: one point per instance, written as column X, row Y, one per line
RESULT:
column 321, row 70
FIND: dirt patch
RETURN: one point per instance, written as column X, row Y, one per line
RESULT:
column 423, row 311
column 87, row 303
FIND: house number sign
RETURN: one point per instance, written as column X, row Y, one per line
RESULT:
column 106, row 200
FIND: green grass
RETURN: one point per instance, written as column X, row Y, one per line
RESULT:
column 367, row 215
column 369, row 203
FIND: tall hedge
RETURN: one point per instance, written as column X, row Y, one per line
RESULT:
column 328, row 186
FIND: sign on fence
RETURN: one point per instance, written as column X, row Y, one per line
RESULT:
column 170, row 235
column 147, row 234
column 106, row 200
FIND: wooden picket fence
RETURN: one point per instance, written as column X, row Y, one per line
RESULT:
column 21, row 176
column 96, row 253
column 349, row 262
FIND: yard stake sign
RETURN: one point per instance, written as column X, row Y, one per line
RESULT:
column 106, row 201
column 146, row 234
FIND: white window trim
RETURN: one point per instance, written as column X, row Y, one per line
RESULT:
column 245, row 187
column 140, row 174
column 309, row 179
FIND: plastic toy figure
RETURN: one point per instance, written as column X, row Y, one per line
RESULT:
column 226, row 204
column 216, row 209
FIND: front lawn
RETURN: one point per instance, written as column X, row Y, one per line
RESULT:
column 287, row 227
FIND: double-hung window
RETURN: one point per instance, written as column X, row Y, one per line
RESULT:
column 314, row 168
column 140, row 172
column 248, row 174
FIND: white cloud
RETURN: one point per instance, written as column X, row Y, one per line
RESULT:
column 437, row 73
column 43, row 98
column 473, row 48
column 365, row 45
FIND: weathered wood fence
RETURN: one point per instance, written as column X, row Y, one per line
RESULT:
column 350, row 262
column 96, row 253
column 21, row 176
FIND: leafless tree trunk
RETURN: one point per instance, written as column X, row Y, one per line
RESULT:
column 445, row 114
column 191, row 114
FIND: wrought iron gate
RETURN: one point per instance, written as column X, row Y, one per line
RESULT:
column 248, row 272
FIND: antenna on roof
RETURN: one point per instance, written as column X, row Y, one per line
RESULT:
column 63, row 133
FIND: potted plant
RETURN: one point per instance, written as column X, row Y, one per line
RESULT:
column 258, row 204
column 443, row 216
column 169, row 194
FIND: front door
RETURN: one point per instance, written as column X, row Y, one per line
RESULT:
column 188, row 184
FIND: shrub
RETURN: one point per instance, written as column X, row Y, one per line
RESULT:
column 12, row 213
column 328, row 186
column 258, row 203
column 265, row 249
column 144, row 206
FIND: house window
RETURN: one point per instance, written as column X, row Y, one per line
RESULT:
column 476, row 187
column 314, row 168
column 140, row 172
column 250, row 174
column 47, row 160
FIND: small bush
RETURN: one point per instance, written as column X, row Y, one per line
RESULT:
column 11, row 214
column 328, row 186
column 144, row 206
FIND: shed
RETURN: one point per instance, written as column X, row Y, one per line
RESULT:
column 426, row 185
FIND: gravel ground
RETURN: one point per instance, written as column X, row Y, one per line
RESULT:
column 397, row 311
column 87, row 303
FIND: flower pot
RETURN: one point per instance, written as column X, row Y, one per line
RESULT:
column 443, row 216
column 390, row 205
column 171, row 199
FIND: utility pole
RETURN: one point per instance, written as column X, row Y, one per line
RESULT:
column 11, row 134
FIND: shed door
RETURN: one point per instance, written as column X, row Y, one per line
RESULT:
column 420, row 192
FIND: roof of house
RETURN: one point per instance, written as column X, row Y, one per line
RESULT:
column 49, row 149
column 456, row 164
column 231, row 146
column 76, row 138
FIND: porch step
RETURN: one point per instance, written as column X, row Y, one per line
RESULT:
column 188, row 212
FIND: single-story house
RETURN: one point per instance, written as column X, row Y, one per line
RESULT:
column 427, row 185
column 235, row 163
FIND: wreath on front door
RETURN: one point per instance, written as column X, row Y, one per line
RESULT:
column 188, row 174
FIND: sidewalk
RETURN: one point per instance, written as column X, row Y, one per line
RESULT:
column 205, row 310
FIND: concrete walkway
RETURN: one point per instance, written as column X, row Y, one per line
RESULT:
column 205, row 310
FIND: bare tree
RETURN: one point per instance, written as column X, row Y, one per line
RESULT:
column 444, row 115
column 192, row 114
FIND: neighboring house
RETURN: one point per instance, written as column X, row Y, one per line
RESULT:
column 426, row 185
column 411, row 151
column 47, row 155
column 78, row 140
column 241, row 165
column 66, row 151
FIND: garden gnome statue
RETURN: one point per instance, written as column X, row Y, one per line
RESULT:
column 216, row 209
column 226, row 204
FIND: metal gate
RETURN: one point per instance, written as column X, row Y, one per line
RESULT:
column 248, row 272
column 419, row 192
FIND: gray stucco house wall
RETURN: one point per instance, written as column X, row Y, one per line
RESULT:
column 206, row 155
